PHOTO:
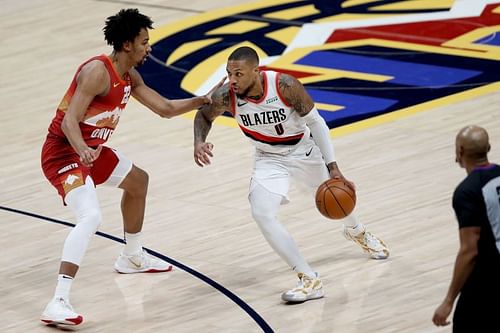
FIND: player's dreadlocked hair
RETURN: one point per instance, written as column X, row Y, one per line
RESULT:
column 245, row 53
column 125, row 26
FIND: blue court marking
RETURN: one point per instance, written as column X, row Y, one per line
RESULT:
column 492, row 39
column 355, row 106
column 407, row 73
column 244, row 306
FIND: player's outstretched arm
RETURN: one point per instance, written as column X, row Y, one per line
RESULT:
column 203, row 123
column 162, row 106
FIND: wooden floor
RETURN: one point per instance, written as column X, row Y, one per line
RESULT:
column 404, row 171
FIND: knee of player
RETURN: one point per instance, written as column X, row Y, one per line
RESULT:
column 93, row 217
column 261, row 215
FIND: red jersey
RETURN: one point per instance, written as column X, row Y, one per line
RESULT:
column 103, row 113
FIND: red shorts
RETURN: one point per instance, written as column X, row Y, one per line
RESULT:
column 62, row 167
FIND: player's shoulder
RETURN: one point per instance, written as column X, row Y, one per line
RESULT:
column 94, row 69
column 288, row 84
column 135, row 76
column 287, row 79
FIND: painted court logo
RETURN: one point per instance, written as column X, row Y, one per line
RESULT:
column 357, row 59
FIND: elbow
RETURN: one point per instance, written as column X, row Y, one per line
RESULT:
column 167, row 110
column 165, row 115
column 469, row 254
column 65, row 126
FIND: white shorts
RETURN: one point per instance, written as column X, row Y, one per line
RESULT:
column 305, row 165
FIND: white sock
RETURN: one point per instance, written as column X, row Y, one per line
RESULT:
column 355, row 228
column 63, row 286
column 350, row 221
column 133, row 245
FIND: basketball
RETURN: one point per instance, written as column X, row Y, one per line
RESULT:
column 335, row 199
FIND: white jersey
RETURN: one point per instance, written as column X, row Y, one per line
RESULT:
column 270, row 123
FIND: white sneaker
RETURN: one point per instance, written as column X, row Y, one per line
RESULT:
column 368, row 242
column 307, row 288
column 60, row 312
column 142, row 262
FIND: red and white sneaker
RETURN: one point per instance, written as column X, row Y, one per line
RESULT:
column 142, row 262
column 60, row 312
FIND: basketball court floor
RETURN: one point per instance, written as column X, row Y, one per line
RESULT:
column 226, row 277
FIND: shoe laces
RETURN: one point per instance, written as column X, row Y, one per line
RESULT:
column 372, row 241
column 304, row 281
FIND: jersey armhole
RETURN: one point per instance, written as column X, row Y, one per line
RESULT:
column 280, row 96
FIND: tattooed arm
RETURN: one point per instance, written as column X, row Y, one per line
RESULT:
column 296, row 95
column 203, row 123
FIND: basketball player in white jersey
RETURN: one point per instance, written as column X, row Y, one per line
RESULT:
column 292, row 141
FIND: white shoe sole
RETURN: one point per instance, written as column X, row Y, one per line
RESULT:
column 145, row 270
column 315, row 295
column 68, row 321
column 379, row 255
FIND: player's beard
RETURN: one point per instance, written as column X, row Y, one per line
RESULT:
column 245, row 93
column 142, row 61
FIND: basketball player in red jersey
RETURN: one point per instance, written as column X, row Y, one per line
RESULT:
column 292, row 140
column 75, row 160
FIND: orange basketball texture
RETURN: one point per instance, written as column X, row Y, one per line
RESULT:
column 335, row 199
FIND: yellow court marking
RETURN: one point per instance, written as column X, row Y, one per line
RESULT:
column 351, row 3
column 294, row 55
column 467, row 41
column 416, row 4
column 329, row 107
column 293, row 13
column 190, row 47
column 239, row 27
column 196, row 76
column 352, row 17
column 427, row 106
column 173, row 28
column 285, row 35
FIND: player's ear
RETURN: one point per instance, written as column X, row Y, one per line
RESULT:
column 460, row 154
column 127, row 46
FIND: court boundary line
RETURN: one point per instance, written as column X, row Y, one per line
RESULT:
column 238, row 301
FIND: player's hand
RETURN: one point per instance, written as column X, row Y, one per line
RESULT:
column 442, row 312
column 208, row 96
column 202, row 153
column 89, row 155
column 336, row 174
